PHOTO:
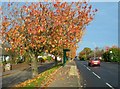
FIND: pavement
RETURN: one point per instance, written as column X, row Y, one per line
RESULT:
column 66, row 77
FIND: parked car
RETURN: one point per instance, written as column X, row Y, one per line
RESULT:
column 94, row 61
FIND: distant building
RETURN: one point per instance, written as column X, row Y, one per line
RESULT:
column 4, row 56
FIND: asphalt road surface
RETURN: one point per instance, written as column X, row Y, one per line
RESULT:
column 105, row 76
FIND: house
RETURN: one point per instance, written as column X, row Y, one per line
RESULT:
column 4, row 56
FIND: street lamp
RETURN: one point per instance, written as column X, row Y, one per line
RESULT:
column 110, row 51
column 94, row 49
column 111, row 55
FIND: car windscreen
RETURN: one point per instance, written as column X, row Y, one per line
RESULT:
column 95, row 59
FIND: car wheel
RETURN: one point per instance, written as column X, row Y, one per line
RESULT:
column 88, row 64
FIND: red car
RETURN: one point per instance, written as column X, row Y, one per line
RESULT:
column 94, row 61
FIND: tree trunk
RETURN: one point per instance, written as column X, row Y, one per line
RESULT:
column 56, row 62
column 34, row 65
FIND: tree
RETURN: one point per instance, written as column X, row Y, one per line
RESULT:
column 112, row 54
column 85, row 53
column 106, row 56
column 32, row 28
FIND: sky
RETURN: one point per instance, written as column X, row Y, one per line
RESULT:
column 103, row 30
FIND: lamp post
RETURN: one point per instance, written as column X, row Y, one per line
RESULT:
column 94, row 53
column 110, row 51
column 111, row 55
column 94, row 50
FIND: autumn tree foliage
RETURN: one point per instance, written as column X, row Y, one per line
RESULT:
column 85, row 53
column 44, row 26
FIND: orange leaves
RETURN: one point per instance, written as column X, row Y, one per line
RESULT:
column 55, row 5
column 30, row 7
column 0, row 8
column 8, row 4
column 36, row 30
column 34, row 12
column 42, row 39
column 62, row 5
column 21, row 52
column 42, row 29
column 26, row 9
column 90, row 6
column 58, row 10
column 5, row 24
column 24, row 6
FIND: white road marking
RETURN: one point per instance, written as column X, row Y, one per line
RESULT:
column 96, row 75
column 84, row 65
column 109, row 85
column 88, row 68
column 81, row 86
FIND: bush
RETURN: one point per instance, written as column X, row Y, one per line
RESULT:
column 49, row 58
column 112, row 57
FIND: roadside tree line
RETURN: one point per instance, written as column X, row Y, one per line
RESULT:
column 110, row 54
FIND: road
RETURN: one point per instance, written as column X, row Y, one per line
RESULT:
column 105, row 76
column 20, row 76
